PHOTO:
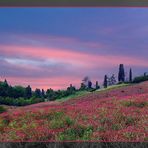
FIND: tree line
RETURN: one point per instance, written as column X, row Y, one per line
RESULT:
column 19, row 95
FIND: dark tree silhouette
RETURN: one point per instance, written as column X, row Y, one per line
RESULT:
column 89, row 84
column 37, row 93
column 43, row 93
column 50, row 94
column 105, row 81
column 6, row 83
column 71, row 89
column 145, row 73
column 82, row 87
column 85, row 81
column 28, row 92
column 121, row 74
column 130, row 75
column 97, row 85
column 112, row 80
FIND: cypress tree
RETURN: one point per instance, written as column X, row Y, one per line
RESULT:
column 121, row 74
column 89, row 84
column 130, row 75
column 105, row 81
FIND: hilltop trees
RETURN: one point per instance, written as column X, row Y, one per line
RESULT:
column 50, row 94
column 89, row 84
column 43, row 93
column 28, row 92
column 71, row 89
column 111, row 80
column 37, row 93
column 130, row 75
column 17, row 95
column 97, row 85
column 105, row 81
column 82, row 87
column 121, row 74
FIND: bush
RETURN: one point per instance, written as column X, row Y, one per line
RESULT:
column 19, row 101
column 76, row 133
column 2, row 109
column 130, row 103
column 140, row 79
column 116, row 127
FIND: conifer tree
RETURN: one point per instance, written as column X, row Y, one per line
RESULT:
column 121, row 74
column 89, row 84
column 130, row 75
column 105, row 81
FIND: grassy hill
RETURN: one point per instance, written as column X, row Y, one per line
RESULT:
column 118, row 113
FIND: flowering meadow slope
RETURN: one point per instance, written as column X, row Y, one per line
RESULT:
column 114, row 115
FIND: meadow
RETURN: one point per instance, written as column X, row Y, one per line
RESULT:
column 116, row 115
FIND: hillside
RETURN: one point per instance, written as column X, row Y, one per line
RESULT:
column 120, row 112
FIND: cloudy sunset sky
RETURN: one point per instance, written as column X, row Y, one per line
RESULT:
column 54, row 47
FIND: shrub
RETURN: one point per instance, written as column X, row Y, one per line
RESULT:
column 127, row 103
column 2, row 109
column 129, row 120
column 54, row 124
column 132, row 103
column 129, row 135
column 116, row 127
column 69, row 121
column 101, row 129
column 140, row 79
column 76, row 133
column 105, row 120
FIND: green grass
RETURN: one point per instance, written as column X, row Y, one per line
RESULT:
column 76, row 95
column 129, row 103
column 113, row 87
column 60, row 120
column 75, row 133
column 84, row 93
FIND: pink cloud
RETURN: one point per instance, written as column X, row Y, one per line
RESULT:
column 79, row 59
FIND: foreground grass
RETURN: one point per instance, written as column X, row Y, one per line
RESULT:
column 110, row 119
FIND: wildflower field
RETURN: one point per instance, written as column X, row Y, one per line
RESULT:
column 108, row 116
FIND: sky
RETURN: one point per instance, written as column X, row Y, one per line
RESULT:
column 56, row 47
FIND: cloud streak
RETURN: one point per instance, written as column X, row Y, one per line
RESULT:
column 30, row 62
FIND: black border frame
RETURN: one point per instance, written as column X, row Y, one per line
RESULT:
column 73, row 3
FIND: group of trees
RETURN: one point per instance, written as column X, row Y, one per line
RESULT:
column 121, row 77
column 88, row 85
column 141, row 78
column 19, row 95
